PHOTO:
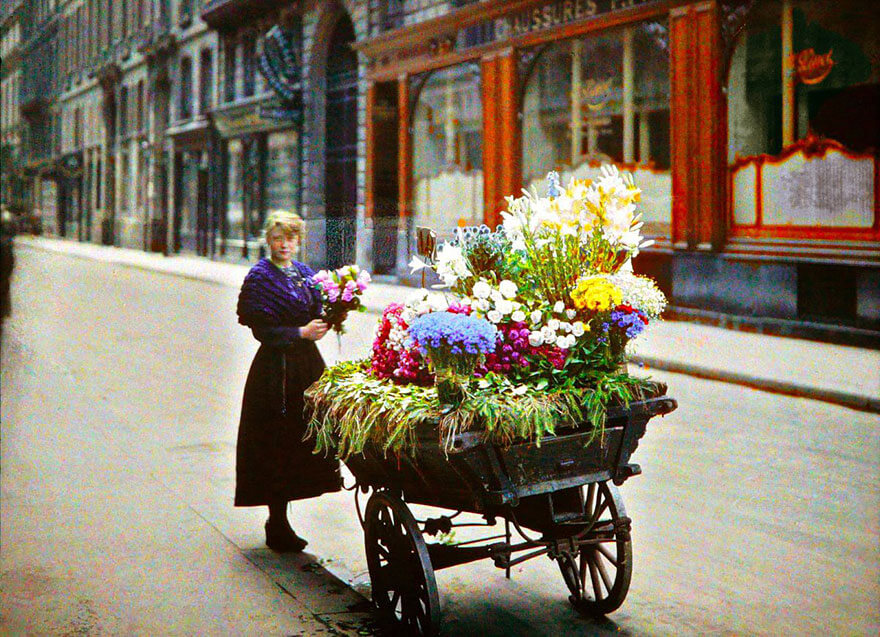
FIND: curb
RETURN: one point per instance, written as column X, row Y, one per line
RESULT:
column 845, row 399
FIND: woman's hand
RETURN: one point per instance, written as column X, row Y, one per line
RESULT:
column 314, row 330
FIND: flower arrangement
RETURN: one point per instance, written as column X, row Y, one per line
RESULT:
column 341, row 290
column 546, row 303
column 455, row 343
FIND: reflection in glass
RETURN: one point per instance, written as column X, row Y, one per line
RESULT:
column 282, row 172
column 805, row 70
column 447, row 149
column 235, row 200
column 836, row 92
column 189, row 200
column 603, row 98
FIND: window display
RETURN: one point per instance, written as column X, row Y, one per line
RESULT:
column 447, row 149
column 803, row 97
column 602, row 98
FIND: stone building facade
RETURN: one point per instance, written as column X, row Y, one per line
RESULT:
column 11, row 182
column 749, row 125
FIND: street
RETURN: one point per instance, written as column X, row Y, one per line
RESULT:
column 756, row 513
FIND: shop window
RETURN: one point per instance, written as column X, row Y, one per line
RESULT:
column 124, row 181
column 253, row 172
column 598, row 99
column 803, row 97
column 235, row 230
column 185, row 98
column 140, row 107
column 249, row 66
column 447, row 149
column 185, row 12
column 282, row 172
column 206, row 80
column 229, row 71
column 391, row 13
column 123, row 112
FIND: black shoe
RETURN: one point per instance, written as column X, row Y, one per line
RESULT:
column 281, row 538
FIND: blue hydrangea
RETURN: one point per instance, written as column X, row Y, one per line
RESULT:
column 459, row 333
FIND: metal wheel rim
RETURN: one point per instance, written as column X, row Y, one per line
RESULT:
column 402, row 579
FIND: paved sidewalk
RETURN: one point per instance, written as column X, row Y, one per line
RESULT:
column 839, row 374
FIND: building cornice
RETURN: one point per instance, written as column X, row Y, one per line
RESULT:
column 226, row 15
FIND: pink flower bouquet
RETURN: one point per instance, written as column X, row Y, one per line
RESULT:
column 341, row 290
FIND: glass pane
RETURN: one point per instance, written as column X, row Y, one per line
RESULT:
column 598, row 99
column 755, row 87
column 253, row 150
column 828, row 91
column 189, row 183
column 448, row 151
column 837, row 49
column 235, row 203
column 282, row 172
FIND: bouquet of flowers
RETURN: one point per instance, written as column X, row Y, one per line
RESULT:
column 533, row 329
column 455, row 344
column 341, row 290
column 558, row 266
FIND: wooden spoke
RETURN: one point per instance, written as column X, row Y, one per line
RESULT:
column 600, row 509
column 583, row 565
column 601, row 568
column 606, row 554
column 594, row 576
column 591, row 495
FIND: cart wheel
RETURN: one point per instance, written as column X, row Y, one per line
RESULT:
column 598, row 575
column 404, row 588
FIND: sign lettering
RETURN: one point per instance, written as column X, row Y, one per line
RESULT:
column 555, row 14
column 811, row 68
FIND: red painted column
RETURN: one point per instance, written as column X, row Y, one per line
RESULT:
column 509, row 171
column 404, row 150
column 697, row 128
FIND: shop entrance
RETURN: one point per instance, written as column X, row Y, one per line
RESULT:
column 190, row 209
column 340, row 184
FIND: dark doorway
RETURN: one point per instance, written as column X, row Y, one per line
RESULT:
column 108, row 231
column 340, row 189
column 190, row 203
column 385, row 194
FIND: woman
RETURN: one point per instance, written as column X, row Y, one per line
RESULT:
column 281, row 306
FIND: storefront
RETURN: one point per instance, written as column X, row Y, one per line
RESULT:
column 191, row 227
column 491, row 96
column 257, row 167
column 71, row 195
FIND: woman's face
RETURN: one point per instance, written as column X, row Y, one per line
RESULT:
column 282, row 246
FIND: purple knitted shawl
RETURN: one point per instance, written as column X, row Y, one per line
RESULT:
column 268, row 298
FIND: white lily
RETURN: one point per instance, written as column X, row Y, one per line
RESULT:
column 416, row 264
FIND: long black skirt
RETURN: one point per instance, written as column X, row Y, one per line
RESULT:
column 273, row 462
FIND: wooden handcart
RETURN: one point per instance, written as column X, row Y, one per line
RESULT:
column 558, row 499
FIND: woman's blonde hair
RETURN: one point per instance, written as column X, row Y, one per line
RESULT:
column 290, row 223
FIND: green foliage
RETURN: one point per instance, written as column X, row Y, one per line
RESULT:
column 350, row 408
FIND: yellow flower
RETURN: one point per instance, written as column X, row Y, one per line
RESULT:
column 596, row 293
